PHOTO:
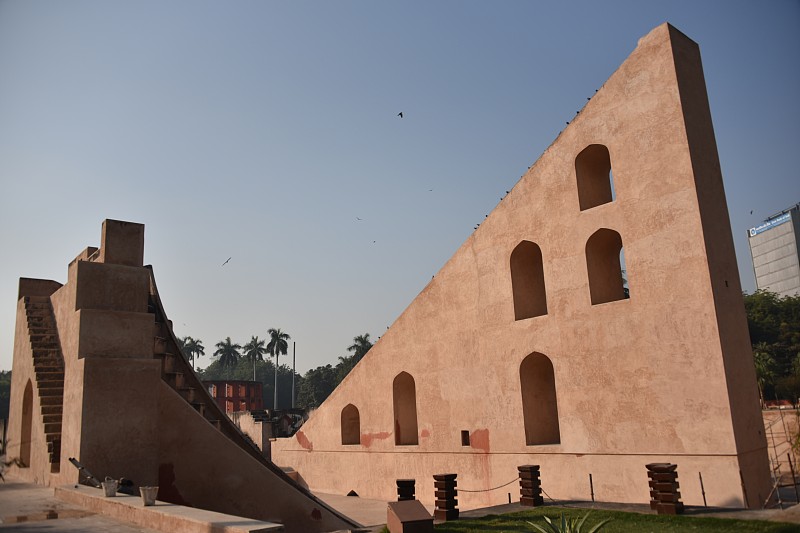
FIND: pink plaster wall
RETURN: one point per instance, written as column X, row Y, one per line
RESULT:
column 663, row 376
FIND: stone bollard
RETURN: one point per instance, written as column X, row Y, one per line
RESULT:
column 446, row 492
column 405, row 489
column 530, row 487
column 664, row 495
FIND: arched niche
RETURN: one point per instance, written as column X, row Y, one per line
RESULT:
column 527, row 281
column 606, row 279
column 539, row 400
column 351, row 425
column 594, row 178
column 404, row 394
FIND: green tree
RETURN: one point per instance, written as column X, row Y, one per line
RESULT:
column 765, row 369
column 774, row 325
column 192, row 348
column 316, row 385
column 254, row 351
column 228, row 353
column 359, row 348
column 278, row 345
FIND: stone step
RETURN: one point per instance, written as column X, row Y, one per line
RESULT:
column 49, row 384
column 174, row 379
column 54, row 449
column 46, row 352
column 45, row 345
column 44, row 337
column 199, row 407
column 48, row 365
column 216, row 423
column 50, row 373
column 189, row 394
column 54, row 391
column 52, row 409
column 36, row 331
column 169, row 362
column 159, row 344
column 51, row 419
column 52, row 427
column 52, row 400
column 161, row 330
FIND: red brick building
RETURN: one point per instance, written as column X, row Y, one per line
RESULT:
column 236, row 395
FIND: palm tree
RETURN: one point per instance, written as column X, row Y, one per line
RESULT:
column 255, row 350
column 227, row 352
column 277, row 346
column 360, row 347
column 193, row 348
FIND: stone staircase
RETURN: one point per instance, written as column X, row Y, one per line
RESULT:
column 177, row 372
column 48, row 363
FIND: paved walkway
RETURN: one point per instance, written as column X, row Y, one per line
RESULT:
column 27, row 508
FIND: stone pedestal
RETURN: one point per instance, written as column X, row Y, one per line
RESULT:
column 405, row 489
column 446, row 492
column 408, row 516
column 530, row 487
column 664, row 494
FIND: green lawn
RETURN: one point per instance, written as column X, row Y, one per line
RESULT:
column 622, row 522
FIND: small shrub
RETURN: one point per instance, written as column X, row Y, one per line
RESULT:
column 569, row 525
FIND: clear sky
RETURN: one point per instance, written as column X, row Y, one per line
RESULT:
column 263, row 131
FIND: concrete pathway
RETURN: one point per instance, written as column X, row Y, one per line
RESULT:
column 26, row 508
column 369, row 513
column 31, row 508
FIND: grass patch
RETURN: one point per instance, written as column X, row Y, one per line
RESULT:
column 621, row 523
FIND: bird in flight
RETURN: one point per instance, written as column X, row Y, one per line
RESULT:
column 400, row 114
column 226, row 261
column 359, row 218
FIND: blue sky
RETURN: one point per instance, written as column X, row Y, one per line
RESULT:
column 263, row 130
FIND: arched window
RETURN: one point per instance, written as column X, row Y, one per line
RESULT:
column 405, row 409
column 539, row 402
column 527, row 281
column 351, row 425
column 27, row 423
column 593, row 173
column 606, row 279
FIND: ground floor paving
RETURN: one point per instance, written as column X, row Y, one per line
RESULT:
column 31, row 508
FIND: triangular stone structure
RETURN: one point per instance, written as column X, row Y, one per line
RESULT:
column 98, row 377
column 529, row 348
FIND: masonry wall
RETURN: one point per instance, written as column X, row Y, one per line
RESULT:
column 129, row 408
column 665, row 375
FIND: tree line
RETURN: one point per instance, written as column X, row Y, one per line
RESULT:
column 774, row 324
column 246, row 362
